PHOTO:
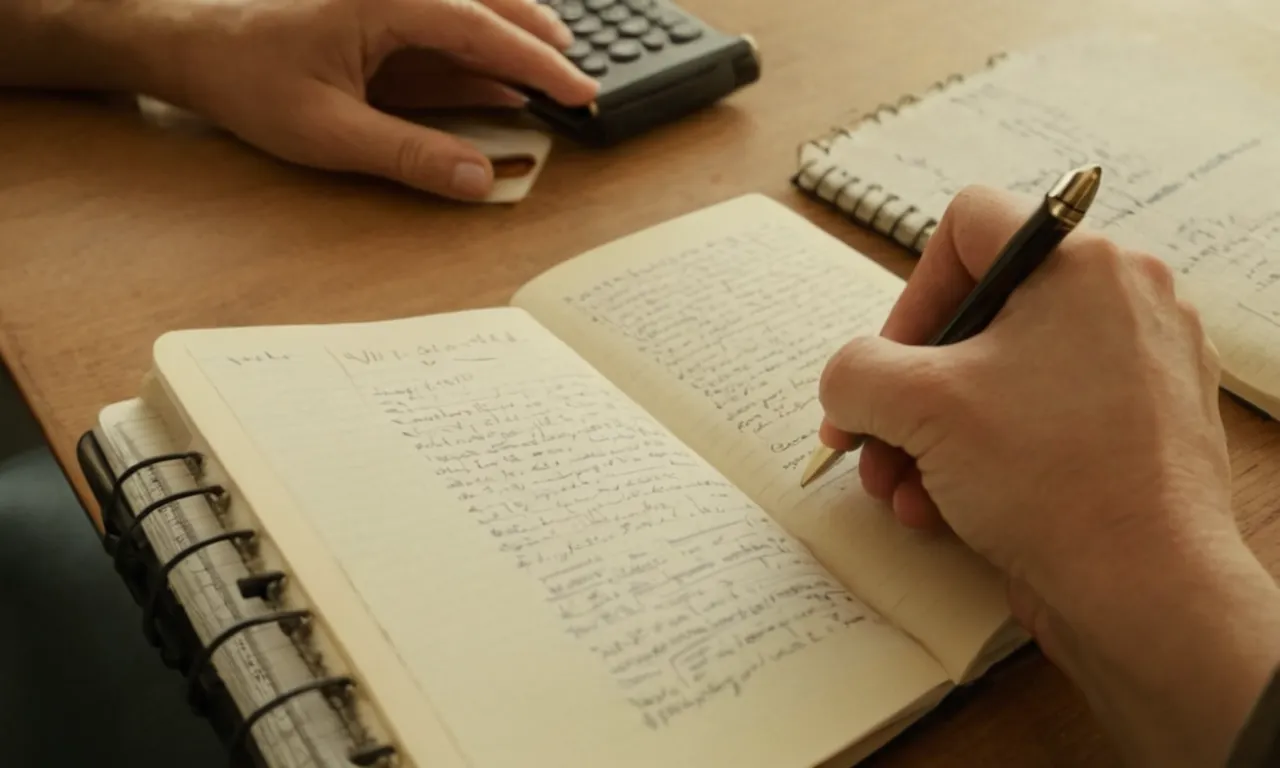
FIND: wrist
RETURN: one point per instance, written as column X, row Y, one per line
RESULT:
column 1172, row 640
column 96, row 45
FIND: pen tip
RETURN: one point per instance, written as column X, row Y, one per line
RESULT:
column 823, row 458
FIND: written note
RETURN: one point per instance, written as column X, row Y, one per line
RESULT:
column 746, row 320
column 1189, row 153
column 680, row 587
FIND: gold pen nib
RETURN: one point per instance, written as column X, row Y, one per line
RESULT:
column 823, row 459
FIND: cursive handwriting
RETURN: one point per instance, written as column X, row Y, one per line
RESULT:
column 747, row 321
column 681, row 587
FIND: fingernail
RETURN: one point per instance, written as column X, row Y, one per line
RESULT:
column 470, row 180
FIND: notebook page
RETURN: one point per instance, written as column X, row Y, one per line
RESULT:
column 536, row 551
column 256, row 665
column 720, row 323
column 1190, row 150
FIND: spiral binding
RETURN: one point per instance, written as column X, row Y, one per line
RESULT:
column 265, row 585
column 853, row 190
column 289, row 621
column 326, row 685
column 127, row 543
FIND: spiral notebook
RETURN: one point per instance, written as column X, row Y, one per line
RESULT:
column 1188, row 137
column 565, row 532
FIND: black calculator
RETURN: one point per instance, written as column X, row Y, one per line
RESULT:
column 655, row 62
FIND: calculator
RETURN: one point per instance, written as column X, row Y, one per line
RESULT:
column 654, row 61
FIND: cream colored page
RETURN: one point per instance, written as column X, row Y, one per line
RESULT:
column 558, row 576
column 720, row 324
column 1190, row 151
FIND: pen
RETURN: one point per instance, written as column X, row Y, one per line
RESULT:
column 1063, row 207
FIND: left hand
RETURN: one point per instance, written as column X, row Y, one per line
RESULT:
column 302, row 79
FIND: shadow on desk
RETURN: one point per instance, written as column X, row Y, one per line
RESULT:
column 78, row 683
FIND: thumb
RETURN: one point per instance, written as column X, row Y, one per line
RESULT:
column 893, row 392
column 359, row 138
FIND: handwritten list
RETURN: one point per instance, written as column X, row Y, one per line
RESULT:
column 681, row 588
column 746, row 320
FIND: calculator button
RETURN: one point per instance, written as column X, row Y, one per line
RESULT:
column 683, row 33
column 587, row 25
column 668, row 19
column 654, row 40
column 598, row 5
column 654, row 14
column 625, row 50
column 595, row 64
column 639, row 6
column 615, row 13
column 634, row 26
column 579, row 50
column 571, row 11
column 604, row 37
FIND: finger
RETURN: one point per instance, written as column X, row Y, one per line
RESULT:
column 362, row 139
column 416, row 79
column 476, row 35
column 458, row 92
column 913, row 506
column 542, row 21
column 969, row 236
column 832, row 437
column 882, row 468
column 1038, row 619
column 882, row 389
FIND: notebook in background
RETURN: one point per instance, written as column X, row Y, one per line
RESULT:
column 1190, row 150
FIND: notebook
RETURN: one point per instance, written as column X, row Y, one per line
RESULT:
column 567, row 531
column 1188, row 138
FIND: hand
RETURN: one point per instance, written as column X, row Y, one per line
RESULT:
column 1076, row 444
column 296, row 78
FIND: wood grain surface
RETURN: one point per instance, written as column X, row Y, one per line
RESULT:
column 113, row 230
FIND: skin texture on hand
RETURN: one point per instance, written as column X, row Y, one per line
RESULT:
column 1077, row 445
column 308, row 81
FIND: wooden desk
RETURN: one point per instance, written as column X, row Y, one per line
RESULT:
column 112, row 231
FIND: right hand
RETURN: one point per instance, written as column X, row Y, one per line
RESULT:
column 296, row 77
column 1076, row 443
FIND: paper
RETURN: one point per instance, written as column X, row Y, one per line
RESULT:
column 522, row 532
column 518, row 154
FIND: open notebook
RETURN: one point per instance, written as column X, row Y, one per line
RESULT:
column 1189, row 142
column 571, row 531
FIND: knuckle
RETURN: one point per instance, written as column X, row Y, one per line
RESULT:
column 1191, row 317
column 410, row 158
column 470, row 21
column 929, row 381
column 1093, row 250
column 839, row 374
column 1154, row 269
column 936, row 391
column 1211, row 360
